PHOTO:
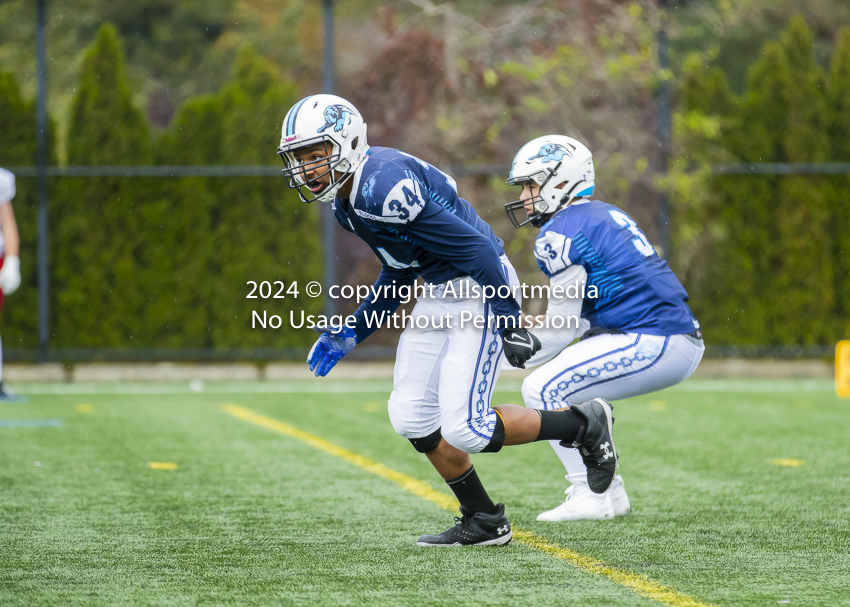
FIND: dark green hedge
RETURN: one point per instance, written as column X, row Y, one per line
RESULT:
column 766, row 256
column 159, row 263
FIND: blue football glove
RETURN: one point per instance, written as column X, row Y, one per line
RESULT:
column 334, row 343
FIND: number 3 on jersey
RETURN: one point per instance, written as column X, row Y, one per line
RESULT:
column 403, row 203
column 552, row 250
column 639, row 241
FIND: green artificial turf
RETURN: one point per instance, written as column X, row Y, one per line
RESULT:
column 253, row 517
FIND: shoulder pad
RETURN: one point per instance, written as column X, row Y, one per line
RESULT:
column 392, row 195
column 552, row 251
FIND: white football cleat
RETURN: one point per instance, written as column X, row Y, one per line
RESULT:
column 619, row 499
column 582, row 504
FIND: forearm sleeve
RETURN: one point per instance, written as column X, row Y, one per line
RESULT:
column 370, row 313
column 552, row 340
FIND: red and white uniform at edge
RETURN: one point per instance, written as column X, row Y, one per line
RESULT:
column 7, row 192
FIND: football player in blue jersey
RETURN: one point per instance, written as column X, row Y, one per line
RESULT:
column 411, row 216
column 637, row 333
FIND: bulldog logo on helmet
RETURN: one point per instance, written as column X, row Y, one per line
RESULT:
column 335, row 116
column 550, row 152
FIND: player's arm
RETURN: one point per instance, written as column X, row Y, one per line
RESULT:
column 336, row 342
column 438, row 231
column 387, row 301
column 10, row 273
column 452, row 239
column 10, row 228
column 570, row 280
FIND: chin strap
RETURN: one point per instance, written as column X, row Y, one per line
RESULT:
column 332, row 191
column 540, row 220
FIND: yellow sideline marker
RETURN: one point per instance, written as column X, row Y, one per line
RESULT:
column 162, row 466
column 842, row 368
column 786, row 462
column 640, row 584
column 83, row 408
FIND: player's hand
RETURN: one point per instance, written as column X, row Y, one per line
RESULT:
column 333, row 344
column 10, row 275
column 520, row 345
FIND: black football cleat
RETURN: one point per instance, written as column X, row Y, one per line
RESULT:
column 473, row 529
column 596, row 443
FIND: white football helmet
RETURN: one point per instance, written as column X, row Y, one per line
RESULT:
column 563, row 169
column 337, row 124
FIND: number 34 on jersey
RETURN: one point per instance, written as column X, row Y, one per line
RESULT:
column 404, row 202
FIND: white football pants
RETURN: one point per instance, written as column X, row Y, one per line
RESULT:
column 444, row 377
column 609, row 366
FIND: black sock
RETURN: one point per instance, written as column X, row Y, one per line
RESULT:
column 563, row 425
column 471, row 493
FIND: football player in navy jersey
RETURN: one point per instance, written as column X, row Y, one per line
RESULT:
column 410, row 215
column 638, row 334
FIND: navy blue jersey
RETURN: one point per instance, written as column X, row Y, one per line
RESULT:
column 411, row 216
column 637, row 291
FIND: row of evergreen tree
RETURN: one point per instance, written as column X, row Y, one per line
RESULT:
column 766, row 258
column 152, row 262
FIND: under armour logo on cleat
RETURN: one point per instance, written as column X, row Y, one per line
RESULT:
column 607, row 452
column 503, row 529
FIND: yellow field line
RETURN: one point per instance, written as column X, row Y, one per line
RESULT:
column 408, row 483
column 787, row 462
column 640, row 584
